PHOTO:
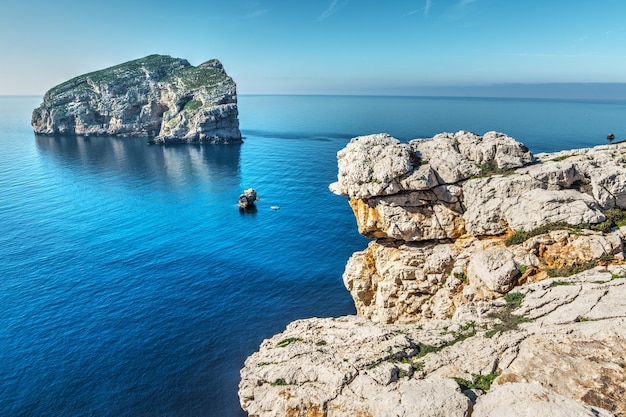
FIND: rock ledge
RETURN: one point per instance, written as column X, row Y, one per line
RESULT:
column 494, row 284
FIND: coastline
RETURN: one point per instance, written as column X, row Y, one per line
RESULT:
column 125, row 188
column 461, row 309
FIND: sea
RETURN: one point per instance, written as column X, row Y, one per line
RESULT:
column 132, row 285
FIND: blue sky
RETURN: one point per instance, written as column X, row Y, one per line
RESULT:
column 322, row 46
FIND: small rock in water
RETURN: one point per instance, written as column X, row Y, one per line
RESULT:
column 247, row 199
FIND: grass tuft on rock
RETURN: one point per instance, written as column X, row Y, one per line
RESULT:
column 478, row 381
column 514, row 300
column 508, row 320
column 288, row 341
column 614, row 218
column 465, row 332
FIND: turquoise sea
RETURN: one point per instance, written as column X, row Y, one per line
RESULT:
column 130, row 283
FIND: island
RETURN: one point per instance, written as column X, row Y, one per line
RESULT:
column 164, row 98
column 494, row 285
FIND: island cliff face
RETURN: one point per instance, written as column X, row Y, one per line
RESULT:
column 153, row 96
column 494, row 285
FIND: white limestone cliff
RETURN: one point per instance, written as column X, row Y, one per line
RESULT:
column 157, row 96
column 441, row 209
column 562, row 352
column 494, row 285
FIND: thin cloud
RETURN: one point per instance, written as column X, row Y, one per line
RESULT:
column 425, row 9
column 332, row 8
column 464, row 3
column 414, row 11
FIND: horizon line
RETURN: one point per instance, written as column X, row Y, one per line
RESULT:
column 387, row 95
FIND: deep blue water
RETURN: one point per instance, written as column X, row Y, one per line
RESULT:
column 130, row 283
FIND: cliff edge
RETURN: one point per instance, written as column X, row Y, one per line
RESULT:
column 494, row 285
column 157, row 96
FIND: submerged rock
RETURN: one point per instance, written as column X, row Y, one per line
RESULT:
column 158, row 96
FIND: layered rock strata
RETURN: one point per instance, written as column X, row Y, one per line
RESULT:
column 459, row 313
column 153, row 96
column 440, row 210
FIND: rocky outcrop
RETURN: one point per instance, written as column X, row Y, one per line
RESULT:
column 464, row 184
column 247, row 199
column 494, row 285
column 562, row 352
column 157, row 96
column 441, row 210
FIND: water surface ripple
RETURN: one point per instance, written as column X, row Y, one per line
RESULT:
column 130, row 283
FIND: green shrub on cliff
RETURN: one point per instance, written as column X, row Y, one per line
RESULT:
column 158, row 64
column 614, row 218
column 200, row 76
column 489, row 168
column 192, row 106
column 520, row 236
column 514, row 300
column 288, row 341
column 478, row 381
column 465, row 332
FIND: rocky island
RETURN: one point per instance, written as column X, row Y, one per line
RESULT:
column 157, row 96
column 494, row 285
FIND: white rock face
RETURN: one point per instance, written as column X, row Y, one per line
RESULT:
column 470, row 217
column 523, row 399
column 519, row 202
column 566, row 358
column 396, row 282
column 495, row 267
column 157, row 96
column 453, row 320
column 411, row 216
column 428, row 189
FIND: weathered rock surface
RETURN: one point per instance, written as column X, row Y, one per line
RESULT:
column 565, row 357
column 462, row 183
column 465, row 194
column 247, row 199
column 523, row 399
column 153, row 96
column 397, row 281
column 454, row 318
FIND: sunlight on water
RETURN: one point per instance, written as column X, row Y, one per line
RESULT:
column 133, row 286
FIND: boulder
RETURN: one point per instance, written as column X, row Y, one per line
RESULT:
column 500, row 151
column 495, row 267
column 373, row 165
column 247, row 199
column 442, row 154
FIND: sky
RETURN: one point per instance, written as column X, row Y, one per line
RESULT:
column 392, row 47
